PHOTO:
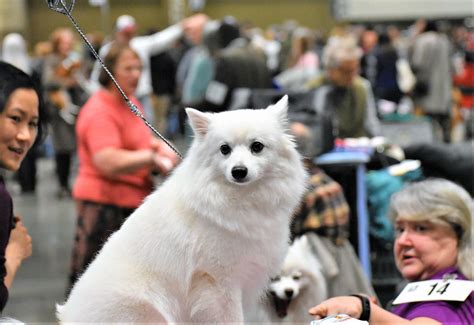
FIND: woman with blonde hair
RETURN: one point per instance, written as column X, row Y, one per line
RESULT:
column 433, row 222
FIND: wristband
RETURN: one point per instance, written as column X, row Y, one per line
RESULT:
column 365, row 302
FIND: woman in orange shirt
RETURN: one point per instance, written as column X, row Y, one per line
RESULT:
column 117, row 154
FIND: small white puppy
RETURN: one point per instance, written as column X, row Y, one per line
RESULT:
column 300, row 285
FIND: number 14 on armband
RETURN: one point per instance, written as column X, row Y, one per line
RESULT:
column 435, row 290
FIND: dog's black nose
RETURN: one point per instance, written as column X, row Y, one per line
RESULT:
column 239, row 173
column 289, row 293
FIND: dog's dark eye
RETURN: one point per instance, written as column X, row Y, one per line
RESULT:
column 256, row 147
column 225, row 149
column 296, row 277
column 277, row 278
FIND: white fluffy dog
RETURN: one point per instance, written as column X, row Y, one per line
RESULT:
column 202, row 247
column 299, row 286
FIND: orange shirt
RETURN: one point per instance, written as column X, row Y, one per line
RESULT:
column 465, row 80
column 106, row 121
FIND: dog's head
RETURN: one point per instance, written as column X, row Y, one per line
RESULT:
column 300, row 275
column 242, row 146
column 286, row 287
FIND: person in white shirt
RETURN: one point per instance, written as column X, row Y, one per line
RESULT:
column 146, row 46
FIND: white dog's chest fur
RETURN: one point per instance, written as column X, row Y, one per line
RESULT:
column 201, row 265
column 244, row 255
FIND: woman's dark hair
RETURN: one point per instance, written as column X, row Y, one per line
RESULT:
column 110, row 60
column 227, row 32
column 431, row 26
column 11, row 79
column 384, row 39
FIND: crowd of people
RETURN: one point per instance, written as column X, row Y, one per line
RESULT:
column 360, row 74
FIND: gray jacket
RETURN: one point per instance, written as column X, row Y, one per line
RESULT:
column 432, row 64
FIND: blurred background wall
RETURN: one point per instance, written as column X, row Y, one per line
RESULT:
column 35, row 21
column 13, row 16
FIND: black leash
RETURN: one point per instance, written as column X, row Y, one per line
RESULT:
column 61, row 7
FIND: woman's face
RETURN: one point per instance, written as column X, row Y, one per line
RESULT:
column 423, row 248
column 344, row 74
column 65, row 43
column 127, row 71
column 18, row 127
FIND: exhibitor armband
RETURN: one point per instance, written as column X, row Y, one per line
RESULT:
column 435, row 290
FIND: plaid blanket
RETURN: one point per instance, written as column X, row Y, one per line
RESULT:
column 324, row 209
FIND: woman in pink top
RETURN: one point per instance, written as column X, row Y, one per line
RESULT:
column 302, row 64
column 302, row 50
column 117, row 154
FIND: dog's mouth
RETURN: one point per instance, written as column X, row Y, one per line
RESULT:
column 281, row 306
column 240, row 181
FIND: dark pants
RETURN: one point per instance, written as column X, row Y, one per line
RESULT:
column 444, row 120
column 63, row 168
column 95, row 223
column 27, row 172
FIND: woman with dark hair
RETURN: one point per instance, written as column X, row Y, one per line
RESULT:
column 21, row 126
column 386, row 86
column 15, row 52
column 117, row 155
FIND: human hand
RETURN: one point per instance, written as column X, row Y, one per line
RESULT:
column 58, row 98
column 194, row 25
column 164, row 159
column 19, row 246
column 163, row 149
column 347, row 305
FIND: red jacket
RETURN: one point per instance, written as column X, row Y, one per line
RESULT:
column 465, row 82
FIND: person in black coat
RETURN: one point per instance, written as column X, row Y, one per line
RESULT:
column 237, row 65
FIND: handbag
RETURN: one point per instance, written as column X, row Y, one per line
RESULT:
column 406, row 79
column 420, row 89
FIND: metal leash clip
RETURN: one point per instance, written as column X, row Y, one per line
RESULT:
column 62, row 7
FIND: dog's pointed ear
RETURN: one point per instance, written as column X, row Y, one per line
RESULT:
column 199, row 121
column 280, row 109
column 304, row 241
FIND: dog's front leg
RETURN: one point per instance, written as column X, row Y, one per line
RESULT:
column 214, row 302
column 218, row 307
